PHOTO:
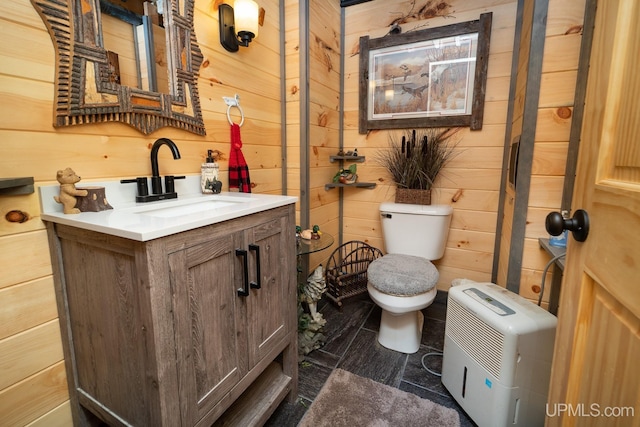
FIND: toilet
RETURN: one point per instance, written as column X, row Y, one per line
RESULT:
column 403, row 281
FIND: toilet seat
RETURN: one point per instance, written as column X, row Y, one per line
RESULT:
column 402, row 275
column 402, row 285
column 399, row 304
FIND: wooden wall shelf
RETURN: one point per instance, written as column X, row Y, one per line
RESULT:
column 356, row 159
column 16, row 186
column 342, row 159
column 355, row 184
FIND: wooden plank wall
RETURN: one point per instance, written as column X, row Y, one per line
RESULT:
column 32, row 378
column 293, row 87
column 559, row 71
column 474, row 173
column 324, row 117
column 555, row 112
column 521, row 76
column 323, row 120
column 319, row 136
column 33, row 386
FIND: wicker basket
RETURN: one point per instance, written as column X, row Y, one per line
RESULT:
column 346, row 272
column 414, row 197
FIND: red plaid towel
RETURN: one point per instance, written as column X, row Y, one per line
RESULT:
column 238, row 169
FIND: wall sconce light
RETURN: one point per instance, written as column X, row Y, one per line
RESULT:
column 238, row 27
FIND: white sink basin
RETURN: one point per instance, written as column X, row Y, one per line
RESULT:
column 146, row 221
column 172, row 209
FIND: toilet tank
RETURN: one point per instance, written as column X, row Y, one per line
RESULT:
column 419, row 230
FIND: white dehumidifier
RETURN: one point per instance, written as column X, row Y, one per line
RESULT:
column 497, row 355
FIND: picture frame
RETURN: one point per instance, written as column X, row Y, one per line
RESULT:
column 427, row 78
column 346, row 3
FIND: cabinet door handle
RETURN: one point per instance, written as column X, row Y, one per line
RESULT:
column 244, row 290
column 256, row 248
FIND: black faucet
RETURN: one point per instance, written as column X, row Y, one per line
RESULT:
column 156, row 181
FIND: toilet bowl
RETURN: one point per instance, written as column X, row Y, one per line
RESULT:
column 403, row 281
column 402, row 321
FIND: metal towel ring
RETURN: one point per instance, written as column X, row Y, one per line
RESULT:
column 234, row 102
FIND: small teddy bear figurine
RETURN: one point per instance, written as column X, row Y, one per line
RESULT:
column 68, row 192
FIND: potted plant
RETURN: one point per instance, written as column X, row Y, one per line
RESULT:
column 415, row 161
column 346, row 176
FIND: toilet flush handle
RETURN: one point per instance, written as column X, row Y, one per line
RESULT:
column 385, row 214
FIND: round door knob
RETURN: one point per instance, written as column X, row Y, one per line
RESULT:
column 578, row 225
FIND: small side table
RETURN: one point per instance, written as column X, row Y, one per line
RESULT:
column 306, row 247
column 556, row 276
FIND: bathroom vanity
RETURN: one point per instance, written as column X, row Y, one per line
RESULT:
column 193, row 325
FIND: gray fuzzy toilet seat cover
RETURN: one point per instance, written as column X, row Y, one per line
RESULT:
column 402, row 275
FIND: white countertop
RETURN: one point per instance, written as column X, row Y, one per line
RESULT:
column 147, row 221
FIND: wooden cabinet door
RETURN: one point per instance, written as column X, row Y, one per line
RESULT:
column 210, row 352
column 267, row 307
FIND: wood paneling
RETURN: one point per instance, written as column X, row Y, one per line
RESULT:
column 24, row 257
column 60, row 416
column 324, row 37
column 560, row 55
column 469, row 250
column 34, row 396
column 555, row 90
column 27, row 353
column 33, row 147
column 26, row 305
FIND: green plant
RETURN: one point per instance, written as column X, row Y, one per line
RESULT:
column 415, row 161
column 346, row 174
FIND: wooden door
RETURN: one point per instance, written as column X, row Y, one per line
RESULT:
column 211, row 355
column 596, row 368
column 268, row 306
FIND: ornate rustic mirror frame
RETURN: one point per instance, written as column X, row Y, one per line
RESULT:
column 84, row 88
column 409, row 45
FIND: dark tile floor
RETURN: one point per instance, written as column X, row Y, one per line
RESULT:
column 352, row 345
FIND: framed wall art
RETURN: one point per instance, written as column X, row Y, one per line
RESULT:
column 428, row 78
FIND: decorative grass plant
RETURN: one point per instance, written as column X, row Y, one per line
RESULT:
column 415, row 161
column 417, row 158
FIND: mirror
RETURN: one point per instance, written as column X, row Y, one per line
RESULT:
column 125, row 61
column 134, row 36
